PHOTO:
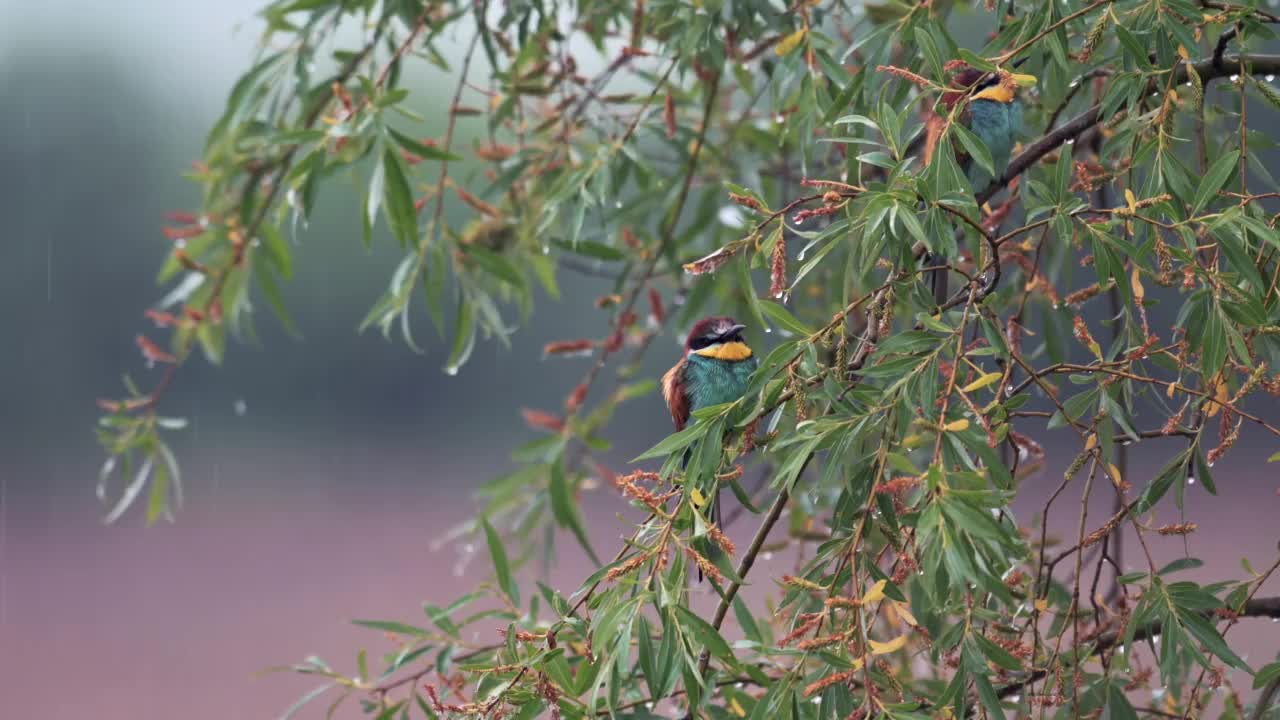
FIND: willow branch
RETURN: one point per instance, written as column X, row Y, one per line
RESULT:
column 1207, row 70
column 1258, row 607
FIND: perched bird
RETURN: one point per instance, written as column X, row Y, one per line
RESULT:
column 993, row 113
column 716, row 368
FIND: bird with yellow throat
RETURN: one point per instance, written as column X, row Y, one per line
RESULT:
column 715, row 368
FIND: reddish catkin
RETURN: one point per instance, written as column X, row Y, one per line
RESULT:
column 897, row 485
column 904, row 74
column 805, row 214
column 1081, row 331
column 1171, row 425
column 574, row 401
column 1185, row 528
column 657, row 313
column 1083, row 294
column 614, row 342
column 629, row 485
column 152, row 352
column 629, row 238
column 182, row 233
column 605, row 301
column 495, row 152
column 1096, row 536
column 160, row 318
column 539, row 420
column 627, row 567
column 745, row 201
column 711, row 571
column 809, row 621
column 823, row 683
column 476, row 203
column 778, row 268
column 820, row 642
column 568, row 347
column 717, row 535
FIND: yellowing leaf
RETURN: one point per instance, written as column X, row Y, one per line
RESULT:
column 904, row 611
column 875, row 593
column 984, row 380
column 884, row 648
column 1130, row 200
column 1042, row 604
column 1275, row 457
column 1115, row 475
column 1091, row 442
column 736, row 708
column 1182, row 52
column 956, row 425
column 1172, row 388
column 1220, row 395
column 1135, row 279
column 1024, row 80
column 699, row 500
column 790, row 42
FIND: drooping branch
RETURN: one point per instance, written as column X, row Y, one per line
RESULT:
column 1256, row 607
column 1207, row 70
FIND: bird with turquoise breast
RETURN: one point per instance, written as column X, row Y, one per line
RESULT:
column 993, row 113
column 715, row 368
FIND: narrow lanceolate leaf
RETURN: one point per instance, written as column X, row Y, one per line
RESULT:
column 422, row 150
column 975, row 147
column 1215, row 178
column 791, row 42
column 398, row 200
column 884, row 648
column 983, row 380
column 501, row 566
column 707, row 635
column 464, row 339
column 565, row 509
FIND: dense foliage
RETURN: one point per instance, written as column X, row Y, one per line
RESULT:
column 803, row 168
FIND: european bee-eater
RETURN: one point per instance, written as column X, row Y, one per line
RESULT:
column 994, row 114
column 716, row 368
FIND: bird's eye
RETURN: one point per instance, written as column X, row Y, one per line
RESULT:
column 699, row 343
column 734, row 337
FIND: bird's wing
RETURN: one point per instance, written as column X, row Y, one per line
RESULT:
column 673, row 392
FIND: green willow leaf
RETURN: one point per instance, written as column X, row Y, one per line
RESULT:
column 501, row 566
column 398, row 200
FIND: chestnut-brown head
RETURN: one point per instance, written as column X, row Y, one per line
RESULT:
column 718, row 337
column 983, row 86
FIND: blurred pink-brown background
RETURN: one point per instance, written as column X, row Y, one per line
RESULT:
column 321, row 473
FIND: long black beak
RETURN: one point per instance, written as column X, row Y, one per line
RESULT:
column 1018, row 63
